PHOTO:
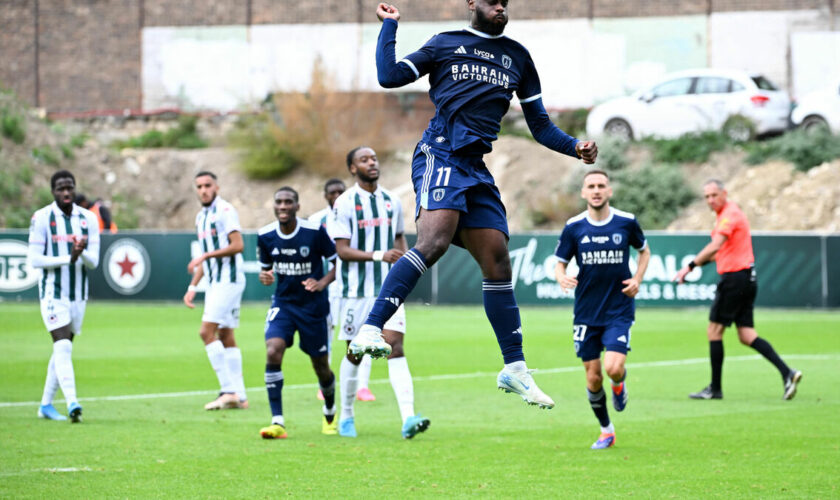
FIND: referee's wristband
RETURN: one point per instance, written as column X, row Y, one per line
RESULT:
column 378, row 255
column 692, row 265
column 192, row 288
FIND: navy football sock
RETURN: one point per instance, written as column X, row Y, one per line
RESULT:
column 328, row 390
column 274, row 387
column 598, row 402
column 401, row 280
column 503, row 313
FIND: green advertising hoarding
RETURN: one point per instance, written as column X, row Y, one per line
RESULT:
column 794, row 270
column 137, row 265
column 789, row 272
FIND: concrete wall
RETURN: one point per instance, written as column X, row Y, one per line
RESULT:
column 581, row 61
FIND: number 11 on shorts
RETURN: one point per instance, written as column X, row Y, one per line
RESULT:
column 443, row 174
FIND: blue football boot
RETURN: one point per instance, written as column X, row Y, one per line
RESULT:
column 414, row 425
column 50, row 413
column 75, row 412
column 604, row 441
column 347, row 428
column 620, row 396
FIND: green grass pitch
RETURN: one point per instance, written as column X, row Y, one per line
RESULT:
column 157, row 441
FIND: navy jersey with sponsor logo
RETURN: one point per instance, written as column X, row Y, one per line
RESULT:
column 294, row 258
column 602, row 252
column 473, row 77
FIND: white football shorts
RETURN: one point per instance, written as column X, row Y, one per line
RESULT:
column 60, row 312
column 221, row 304
column 335, row 311
column 354, row 312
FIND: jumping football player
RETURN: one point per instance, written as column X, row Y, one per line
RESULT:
column 473, row 74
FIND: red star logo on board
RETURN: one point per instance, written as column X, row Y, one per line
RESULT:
column 126, row 267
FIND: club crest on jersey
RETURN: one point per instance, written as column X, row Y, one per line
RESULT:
column 616, row 237
column 83, row 223
column 304, row 251
column 438, row 194
column 388, row 206
column 506, row 61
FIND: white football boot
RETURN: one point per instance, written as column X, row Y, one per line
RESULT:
column 522, row 383
column 369, row 341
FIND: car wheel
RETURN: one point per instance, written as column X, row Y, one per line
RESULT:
column 814, row 123
column 738, row 128
column 619, row 129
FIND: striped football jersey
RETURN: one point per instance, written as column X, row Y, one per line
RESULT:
column 320, row 217
column 371, row 221
column 51, row 234
column 213, row 225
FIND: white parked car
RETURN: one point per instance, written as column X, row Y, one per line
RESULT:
column 820, row 108
column 693, row 101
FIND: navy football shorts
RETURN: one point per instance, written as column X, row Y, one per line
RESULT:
column 445, row 180
column 591, row 340
column 284, row 319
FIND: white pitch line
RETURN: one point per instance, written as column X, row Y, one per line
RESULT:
column 433, row 378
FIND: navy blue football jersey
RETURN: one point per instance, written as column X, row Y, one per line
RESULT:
column 602, row 252
column 296, row 257
column 473, row 77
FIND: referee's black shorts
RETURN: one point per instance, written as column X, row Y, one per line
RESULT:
column 734, row 298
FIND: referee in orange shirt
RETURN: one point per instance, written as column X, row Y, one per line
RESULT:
column 731, row 249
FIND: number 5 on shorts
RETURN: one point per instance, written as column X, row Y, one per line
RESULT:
column 580, row 333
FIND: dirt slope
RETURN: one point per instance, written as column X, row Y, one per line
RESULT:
column 155, row 185
column 776, row 197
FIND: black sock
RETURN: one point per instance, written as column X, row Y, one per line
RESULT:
column 766, row 350
column 598, row 402
column 328, row 390
column 716, row 357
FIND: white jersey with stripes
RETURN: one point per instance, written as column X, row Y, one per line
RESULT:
column 213, row 224
column 51, row 237
column 371, row 221
column 320, row 217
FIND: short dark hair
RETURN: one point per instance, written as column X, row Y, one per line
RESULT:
column 352, row 153
column 61, row 174
column 80, row 198
column 291, row 190
column 205, row 172
column 332, row 182
column 596, row 172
